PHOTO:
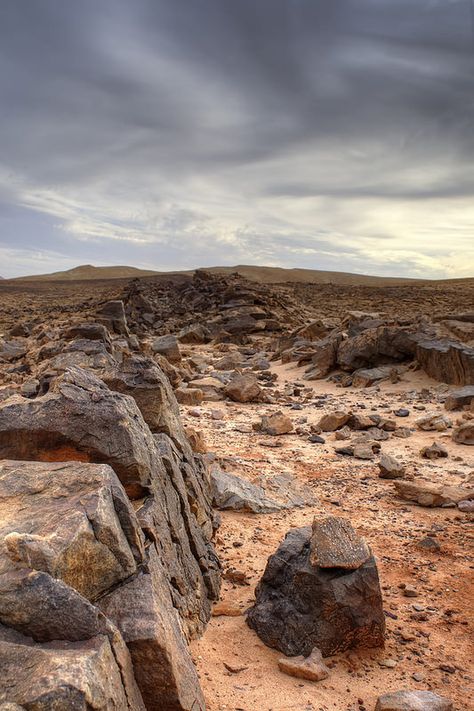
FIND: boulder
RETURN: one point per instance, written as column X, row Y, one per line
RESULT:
column 189, row 396
column 232, row 492
column 447, row 361
column 168, row 347
column 333, row 421
column 142, row 610
column 375, row 347
column 66, row 676
column 426, row 494
column 464, row 434
column 459, row 399
column 413, row 701
column 112, row 315
column 365, row 377
column 323, row 358
column 243, row 388
column 433, row 422
column 70, row 520
column 300, row 606
column 229, row 361
column 390, row 468
column 276, row 424
column 434, row 451
column 195, row 333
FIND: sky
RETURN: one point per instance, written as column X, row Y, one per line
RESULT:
column 172, row 134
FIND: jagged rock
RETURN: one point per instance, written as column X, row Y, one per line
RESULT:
column 334, row 421
column 143, row 612
column 141, row 378
column 375, row 347
column 195, row 333
column 189, row 396
column 80, row 418
column 434, row 451
column 243, row 388
column 196, row 440
column 365, row 377
column 168, row 347
column 276, row 424
column 427, row 494
column 229, row 361
column 112, row 315
column 312, row 668
column 433, row 422
column 461, row 329
column 464, row 434
column 11, row 351
column 323, row 358
column 300, row 606
column 390, row 468
column 212, row 388
column 71, row 520
column 413, row 701
column 459, row 399
column 232, row 492
column 447, row 361
column 89, row 332
column 66, row 676
column 335, row 544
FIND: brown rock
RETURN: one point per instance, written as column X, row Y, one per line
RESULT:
column 335, row 544
column 334, row 421
column 312, row 668
column 189, row 396
column 427, row 494
column 464, row 434
column 276, row 424
column 243, row 388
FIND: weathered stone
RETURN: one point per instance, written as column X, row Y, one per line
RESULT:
column 335, row 544
column 464, row 434
column 459, row 399
column 189, row 396
column 433, row 422
column 212, row 388
column 243, row 388
column 195, row 333
column 390, row 468
column 143, row 612
column 365, row 377
column 71, row 520
column 434, row 451
column 427, row 494
column 311, row 668
column 89, row 332
column 79, row 418
column 375, row 347
column 323, row 358
column 334, row 421
column 413, row 701
column 66, row 676
column 447, row 361
column 196, row 440
column 168, row 347
column 229, row 361
column 232, row 492
column 300, row 606
column 112, row 315
column 276, row 424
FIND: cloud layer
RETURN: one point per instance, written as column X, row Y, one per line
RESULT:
column 163, row 134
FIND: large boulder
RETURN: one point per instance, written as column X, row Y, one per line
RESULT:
column 376, row 346
column 447, row 361
column 301, row 605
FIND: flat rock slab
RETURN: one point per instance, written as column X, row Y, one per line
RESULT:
column 426, row 494
column 232, row 492
column 312, row 668
column 413, row 701
column 335, row 544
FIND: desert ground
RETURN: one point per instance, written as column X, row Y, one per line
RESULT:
column 206, row 332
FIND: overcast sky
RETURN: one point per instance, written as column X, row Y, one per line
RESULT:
column 169, row 134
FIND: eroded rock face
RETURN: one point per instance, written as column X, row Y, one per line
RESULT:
column 300, row 606
column 448, row 361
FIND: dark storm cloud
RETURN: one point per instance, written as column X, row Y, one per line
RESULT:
column 290, row 131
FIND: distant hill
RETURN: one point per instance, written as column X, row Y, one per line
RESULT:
column 87, row 272
column 262, row 274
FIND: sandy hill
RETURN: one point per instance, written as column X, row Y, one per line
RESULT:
column 87, row 272
column 261, row 274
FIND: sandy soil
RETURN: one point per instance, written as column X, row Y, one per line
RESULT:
column 429, row 636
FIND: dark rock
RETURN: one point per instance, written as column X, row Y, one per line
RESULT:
column 459, row 399
column 447, row 361
column 300, row 606
column 112, row 315
column 168, row 347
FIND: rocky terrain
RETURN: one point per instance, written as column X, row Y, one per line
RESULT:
column 224, row 494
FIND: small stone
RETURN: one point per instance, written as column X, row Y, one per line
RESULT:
column 388, row 663
column 434, row 451
column 390, row 468
column 410, row 591
column 316, row 439
column 276, row 424
column 312, row 668
column 413, row 701
column 402, row 412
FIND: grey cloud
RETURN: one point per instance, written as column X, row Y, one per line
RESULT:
column 186, row 121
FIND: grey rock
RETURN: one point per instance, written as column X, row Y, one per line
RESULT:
column 413, row 701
